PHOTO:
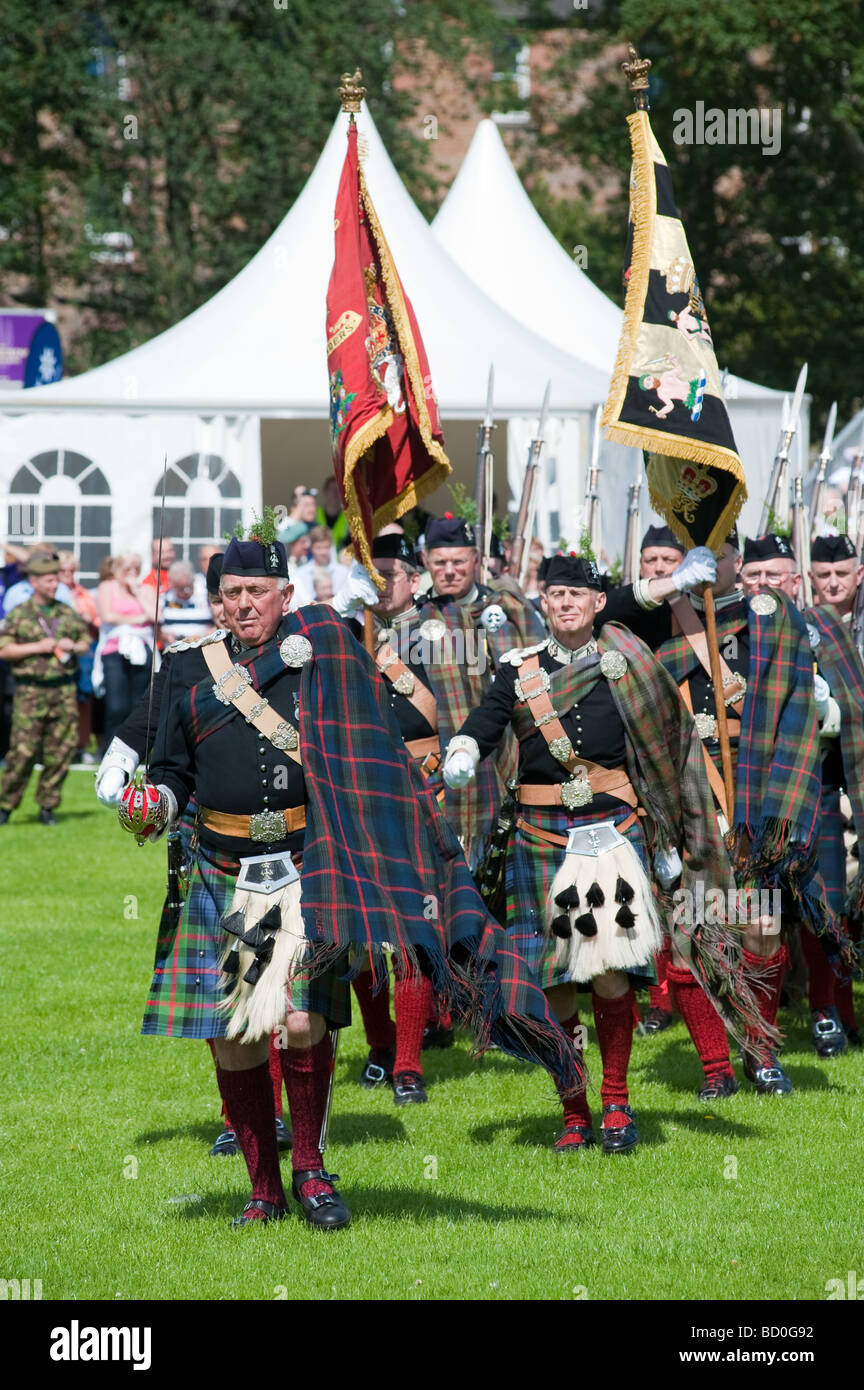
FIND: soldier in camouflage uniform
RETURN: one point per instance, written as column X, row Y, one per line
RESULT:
column 41, row 640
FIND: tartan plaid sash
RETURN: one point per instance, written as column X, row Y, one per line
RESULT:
column 459, row 687
column 382, row 868
column 840, row 663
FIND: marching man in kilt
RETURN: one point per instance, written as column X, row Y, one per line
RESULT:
column 291, row 751
column 836, row 574
column 467, row 627
column 772, row 830
column 611, row 776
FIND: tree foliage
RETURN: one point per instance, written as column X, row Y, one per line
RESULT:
column 186, row 131
column 775, row 238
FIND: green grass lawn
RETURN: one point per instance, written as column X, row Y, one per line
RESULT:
column 108, row 1190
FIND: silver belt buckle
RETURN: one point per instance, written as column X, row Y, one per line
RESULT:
column 268, row 826
column 594, row 840
column 264, row 873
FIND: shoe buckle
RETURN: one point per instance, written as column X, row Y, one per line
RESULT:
column 374, row 1072
column 826, row 1027
column 771, row 1074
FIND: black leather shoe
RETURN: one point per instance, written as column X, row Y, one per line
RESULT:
column 829, row 1035
column 586, row 1139
column 853, row 1037
column 766, row 1073
column 327, row 1211
column 408, row 1089
column 225, row 1144
column 718, row 1088
column 434, row 1036
column 47, row 817
column 376, row 1074
column 657, row 1020
column 4, row 817
column 269, row 1212
column 284, row 1137
column 622, row 1138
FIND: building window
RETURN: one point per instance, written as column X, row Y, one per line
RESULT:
column 202, row 503
column 62, row 497
column 511, row 83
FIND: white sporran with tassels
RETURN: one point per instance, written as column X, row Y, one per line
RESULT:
column 600, row 908
column 266, row 944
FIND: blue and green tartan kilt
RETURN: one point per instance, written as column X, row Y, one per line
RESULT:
column 185, row 992
column 531, row 867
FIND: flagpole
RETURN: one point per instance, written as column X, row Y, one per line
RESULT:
column 636, row 71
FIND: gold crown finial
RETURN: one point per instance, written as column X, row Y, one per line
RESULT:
column 352, row 91
column 636, row 71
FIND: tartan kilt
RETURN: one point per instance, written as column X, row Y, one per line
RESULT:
column 531, row 867
column 185, row 992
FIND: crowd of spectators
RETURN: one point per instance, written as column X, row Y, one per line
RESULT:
column 124, row 621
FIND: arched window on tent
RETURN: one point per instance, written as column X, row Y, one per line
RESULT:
column 202, row 502
column 62, row 497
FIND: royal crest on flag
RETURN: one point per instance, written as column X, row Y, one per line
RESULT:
column 666, row 397
column 385, row 433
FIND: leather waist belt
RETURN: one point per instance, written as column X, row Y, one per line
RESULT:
column 267, row 826
column 550, row 838
column 49, row 683
column 427, row 752
column 610, row 780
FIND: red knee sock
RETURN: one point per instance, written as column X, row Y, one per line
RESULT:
column 576, row 1108
column 274, row 1062
column 228, row 1124
column 823, row 982
column 659, row 995
column 248, row 1097
column 768, row 984
column 704, row 1024
column 378, row 1026
column 411, row 1001
column 613, row 1019
column 307, row 1080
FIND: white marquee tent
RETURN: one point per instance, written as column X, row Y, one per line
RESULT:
column 82, row 459
column 489, row 226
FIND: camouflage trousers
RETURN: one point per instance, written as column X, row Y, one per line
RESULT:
column 44, row 730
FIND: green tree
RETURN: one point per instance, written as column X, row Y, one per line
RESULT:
column 775, row 238
column 187, row 131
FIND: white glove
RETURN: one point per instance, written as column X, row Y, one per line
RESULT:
column 115, row 770
column 698, row 567
column 357, row 592
column 667, row 867
column 109, row 787
column 822, row 695
column 459, row 769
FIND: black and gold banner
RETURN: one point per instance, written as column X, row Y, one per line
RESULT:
column 665, row 397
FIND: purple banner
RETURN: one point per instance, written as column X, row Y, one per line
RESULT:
column 30, row 352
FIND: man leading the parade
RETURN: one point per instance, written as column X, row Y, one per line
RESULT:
column 310, row 777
